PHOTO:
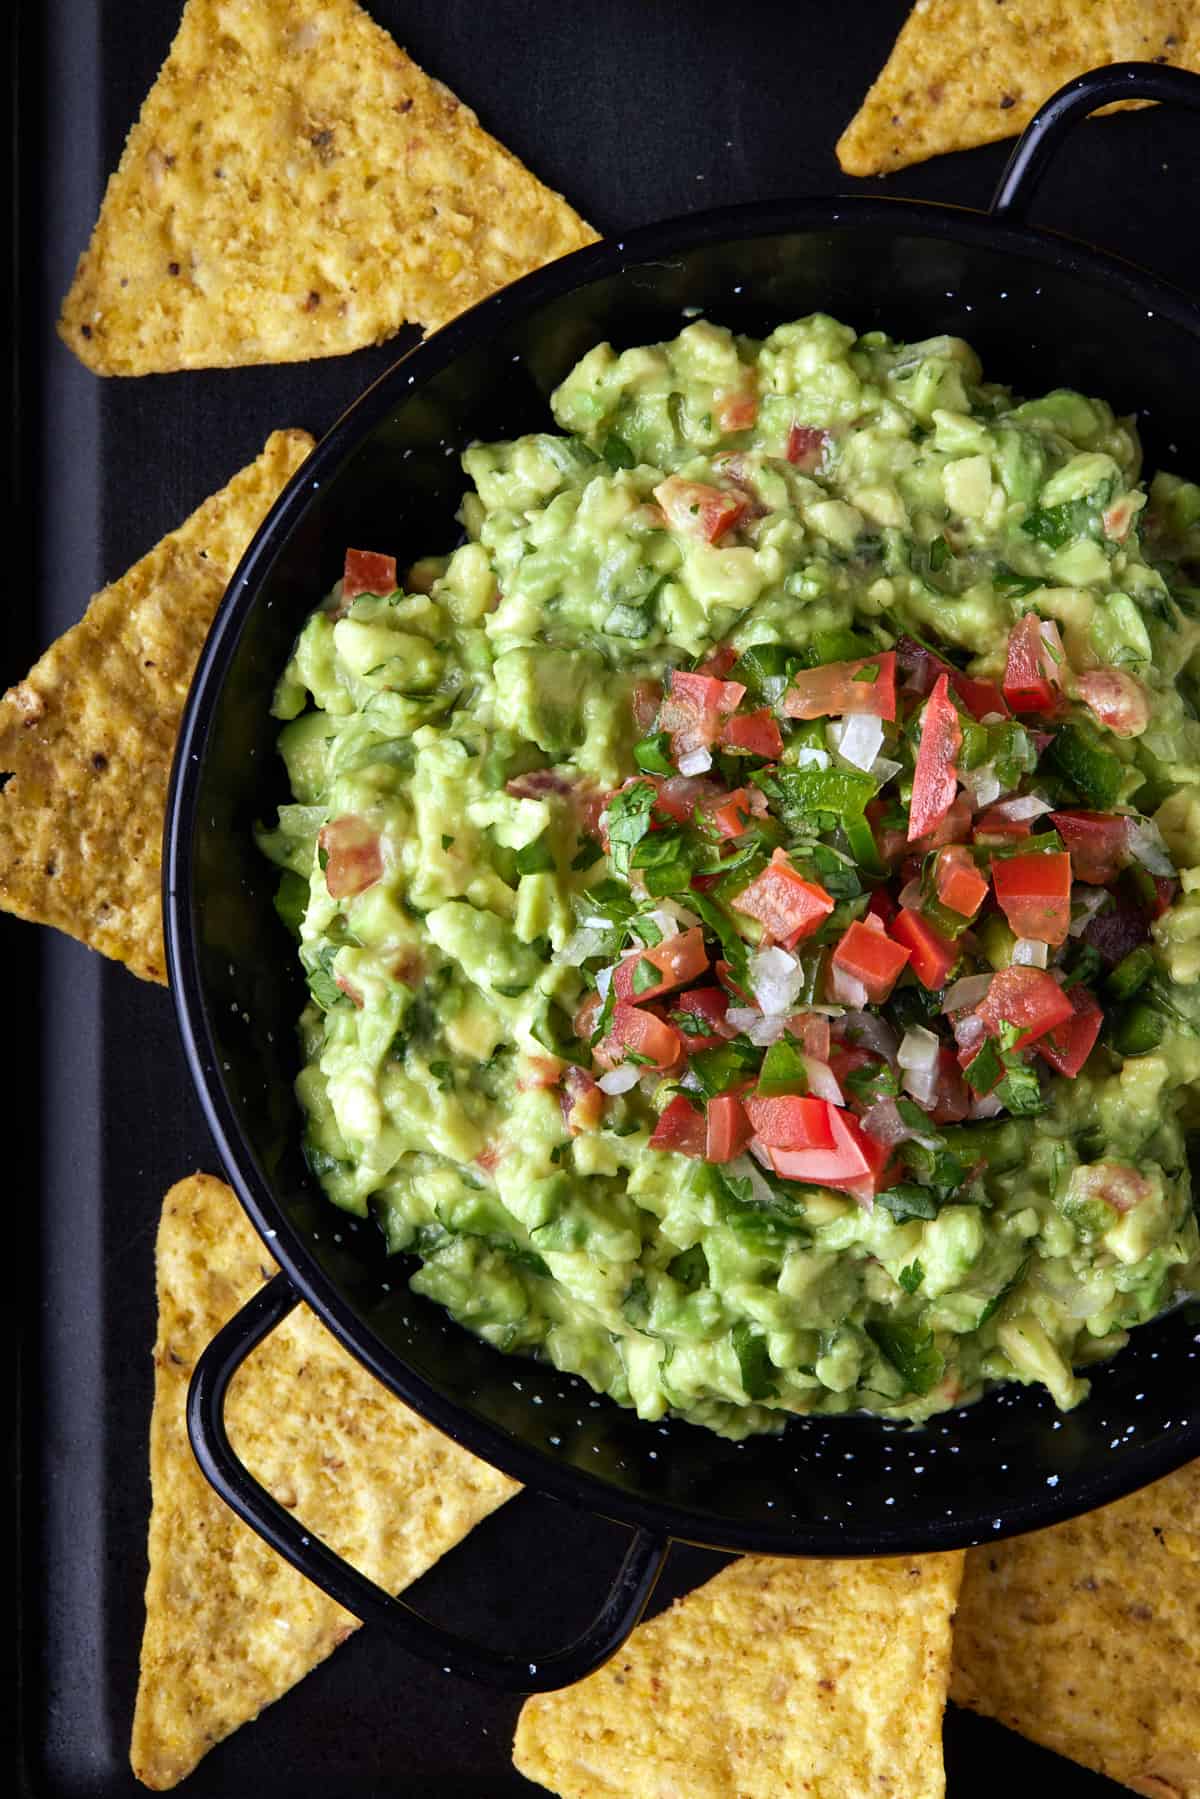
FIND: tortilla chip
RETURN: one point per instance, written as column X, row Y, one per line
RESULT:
column 967, row 72
column 86, row 739
column 229, row 1624
column 1086, row 1638
column 777, row 1678
column 296, row 187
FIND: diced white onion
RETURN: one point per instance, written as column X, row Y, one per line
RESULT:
column 743, row 1169
column 863, row 1030
column 983, row 784
column 969, row 1032
column 918, row 1049
column 987, row 1106
column 1029, row 953
column 822, row 1082
column 776, row 979
column 742, row 1017
column 992, row 718
column 967, row 993
column 690, row 1080
column 859, row 739
column 683, row 918
column 579, row 946
column 1145, row 841
column 593, row 922
column 666, row 921
column 604, row 982
column 696, row 762
column 619, row 1080
column 762, row 1028
column 910, row 893
column 773, row 688
column 921, row 1084
column 761, row 1153
column 809, row 756
column 845, row 988
column 1025, row 805
column 883, row 768
column 883, row 1122
column 1085, row 903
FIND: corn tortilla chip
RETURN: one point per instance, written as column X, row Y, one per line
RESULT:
column 87, row 737
column 229, row 1625
column 1086, row 1638
column 296, row 187
column 967, row 72
column 777, row 1678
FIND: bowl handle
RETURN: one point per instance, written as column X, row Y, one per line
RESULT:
column 1041, row 138
column 223, row 1468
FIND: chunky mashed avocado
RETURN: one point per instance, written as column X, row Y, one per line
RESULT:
column 750, row 889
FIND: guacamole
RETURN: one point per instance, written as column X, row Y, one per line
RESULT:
column 749, row 890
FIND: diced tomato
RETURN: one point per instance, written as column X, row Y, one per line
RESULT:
column 954, row 828
column 1026, row 997
column 870, row 956
column 960, row 886
column 704, row 693
column 811, row 1029
column 952, row 1098
column 693, row 708
column 645, row 700
column 367, row 572
column 539, row 1071
column 728, row 1128
column 718, row 662
column 806, row 447
column 785, row 904
column 1117, row 699
column 1033, row 675
column 637, row 1029
column 844, row 688
column 673, row 963
column 755, row 732
column 790, row 1121
column 983, row 699
column 992, row 827
column 933, row 956
column 353, row 857
column 890, row 840
column 699, row 510
column 732, row 817
column 584, row 1021
column 736, row 410
column 844, row 1059
column 681, row 1128
column 935, row 779
column 854, row 1164
column 1069, row 1045
column 1034, row 893
column 678, row 797
column 581, row 1101
column 699, row 1017
column 1165, row 890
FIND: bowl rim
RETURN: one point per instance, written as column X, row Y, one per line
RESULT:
column 533, row 1466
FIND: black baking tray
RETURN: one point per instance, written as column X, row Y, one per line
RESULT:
column 637, row 109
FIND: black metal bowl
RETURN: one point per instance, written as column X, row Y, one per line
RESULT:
column 1042, row 311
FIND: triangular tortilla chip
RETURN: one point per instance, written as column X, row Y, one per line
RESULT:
column 296, row 187
column 966, row 72
column 775, row 1680
column 1086, row 1638
column 87, row 738
column 229, row 1624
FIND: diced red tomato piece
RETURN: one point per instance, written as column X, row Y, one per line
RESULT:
column 1034, row 893
column 806, row 447
column 854, row 1164
column 954, row 828
column 870, row 956
column 952, row 1098
column 681, row 1128
column 755, row 732
column 693, row 709
column 933, row 956
column 890, row 840
column 785, row 904
column 637, row 1029
column 367, row 572
column 1026, row 997
column 353, row 857
column 1037, row 662
column 732, row 817
column 960, row 886
column 1165, row 890
column 704, row 693
column 736, row 409
column 935, row 779
column 1117, row 699
column 699, row 510
column 581, row 1101
column 699, row 1017
column 728, row 1128
column 645, row 699
column 983, row 699
column 811, row 1029
column 790, row 1121
column 844, row 688
column 1069, row 1045
column 718, row 662
column 882, row 906
column 992, row 827
column 673, row 963
column 539, row 1071
column 584, row 1021
column 678, row 797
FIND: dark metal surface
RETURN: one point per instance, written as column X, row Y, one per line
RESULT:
column 638, row 109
